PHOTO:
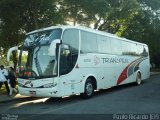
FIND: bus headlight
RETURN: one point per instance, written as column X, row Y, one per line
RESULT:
column 49, row 85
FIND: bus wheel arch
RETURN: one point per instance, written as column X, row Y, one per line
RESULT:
column 89, row 87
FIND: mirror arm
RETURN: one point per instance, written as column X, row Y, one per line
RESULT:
column 10, row 51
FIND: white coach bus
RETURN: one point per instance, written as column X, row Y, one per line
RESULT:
column 66, row 60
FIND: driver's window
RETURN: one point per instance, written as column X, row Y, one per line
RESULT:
column 65, row 59
column 69, row 50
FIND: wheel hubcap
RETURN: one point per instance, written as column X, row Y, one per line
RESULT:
column 89, row 89
column 138, row 79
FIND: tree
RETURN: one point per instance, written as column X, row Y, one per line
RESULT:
column 25, row 16
column 10, row 24
column 133, row 19
column 39, row 14
column 83, row 12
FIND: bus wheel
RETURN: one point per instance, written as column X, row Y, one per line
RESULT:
column 138, row 79
column 88, row 89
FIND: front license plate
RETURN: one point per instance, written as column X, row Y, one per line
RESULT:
column 32, row 93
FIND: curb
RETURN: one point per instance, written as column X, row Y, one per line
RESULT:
column 13, row 98
column 154, row 73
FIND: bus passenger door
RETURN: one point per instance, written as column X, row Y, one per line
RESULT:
column 68, row 77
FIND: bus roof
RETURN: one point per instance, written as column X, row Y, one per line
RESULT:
column 63, row 27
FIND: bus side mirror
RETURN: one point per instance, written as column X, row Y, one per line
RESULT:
column 53, row 46
column 10, row 51
column 65, row 49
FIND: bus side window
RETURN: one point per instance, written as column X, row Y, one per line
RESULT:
column 116, row 46
column 88, row 42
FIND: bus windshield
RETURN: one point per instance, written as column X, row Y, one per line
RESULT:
column 36, row 63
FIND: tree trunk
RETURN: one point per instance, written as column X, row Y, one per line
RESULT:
column 96, row 25
column 15, row 60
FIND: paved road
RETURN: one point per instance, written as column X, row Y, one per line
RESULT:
column 123, row 99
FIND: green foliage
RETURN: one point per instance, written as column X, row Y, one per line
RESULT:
column 83, row 12
column 134, row 19
column 137, row 20
column 20, row 16
column 119, row 16
column 153, row 4
column 37, row 14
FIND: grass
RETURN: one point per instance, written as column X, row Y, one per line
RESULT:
column 3, row 90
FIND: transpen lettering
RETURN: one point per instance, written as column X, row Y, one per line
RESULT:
column 114, row 60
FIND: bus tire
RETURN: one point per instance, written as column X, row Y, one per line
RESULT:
column 88, row 89
column 138, row 79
